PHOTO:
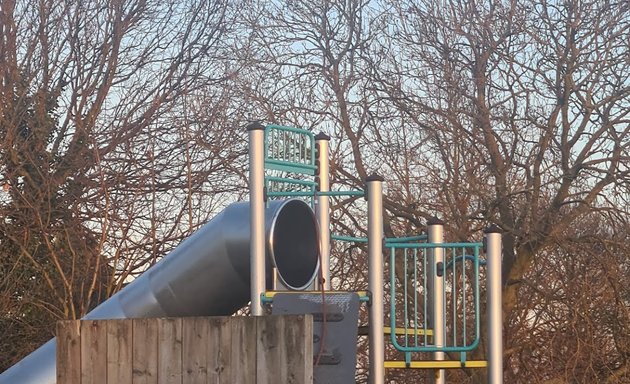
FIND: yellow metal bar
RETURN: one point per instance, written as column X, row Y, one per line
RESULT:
column 271, row 294
column 408, row 331
column 437, row 364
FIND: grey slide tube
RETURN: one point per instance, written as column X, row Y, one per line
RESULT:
column 206, row 275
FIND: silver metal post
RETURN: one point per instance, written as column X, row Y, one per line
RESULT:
column 494, row 287
column 375, row 278
column 436, row 288
column 257, row 215
column 323, row 208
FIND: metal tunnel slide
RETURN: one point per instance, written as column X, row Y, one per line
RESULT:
column 208, row 274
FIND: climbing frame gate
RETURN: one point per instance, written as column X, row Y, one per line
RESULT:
column 418, row 291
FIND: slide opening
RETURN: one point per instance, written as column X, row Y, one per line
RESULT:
column 295, row 244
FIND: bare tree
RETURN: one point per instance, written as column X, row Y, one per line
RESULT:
column 120, row 123
column 514, row 113
column 95, row 159
column 524, row 107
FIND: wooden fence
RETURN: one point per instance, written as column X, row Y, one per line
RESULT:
column 195, row 350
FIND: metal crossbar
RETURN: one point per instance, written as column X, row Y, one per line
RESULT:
column 283, row 187
column 388, row 240
column 411, row 296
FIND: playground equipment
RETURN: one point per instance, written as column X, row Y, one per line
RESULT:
column 206, row 275
column 260, row 250
column 434, row 297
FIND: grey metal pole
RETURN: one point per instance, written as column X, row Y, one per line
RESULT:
column 323, row 208
column 494, row 289
column 257, row 215
column 436, row 288
column 375, row 278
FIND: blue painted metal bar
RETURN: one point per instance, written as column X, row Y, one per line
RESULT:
column 349, row 238
column 463, row 258
column 415, row 296
column 289, row 194
column 424, row 294
column 399, row 242
column 406, row 299
column 341, row 193
column 431, row 246
column 407, row 239
column 315, row 193
column 454, row 303
column 287, row 180
column 286, row 166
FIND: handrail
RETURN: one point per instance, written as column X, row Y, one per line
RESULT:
column 451, row 263
column 388, row 240
column 313, row 193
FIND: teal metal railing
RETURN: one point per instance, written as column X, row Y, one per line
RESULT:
column 290, row 149
column 410, row 300
column 388, row 240
column 289, row 163
column 291, row 153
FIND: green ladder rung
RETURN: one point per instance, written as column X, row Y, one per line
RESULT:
column 408, row 331
column 287, row 166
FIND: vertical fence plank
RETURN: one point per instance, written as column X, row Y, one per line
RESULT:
column 195, row 350
column 284, row 350
column 119, row 351
column 93, row 352
column 69, row 352
column 219, row 340
column 170, row 351
column 299, row 348
column 267, row 352
column 243, row 353
column 145, row 345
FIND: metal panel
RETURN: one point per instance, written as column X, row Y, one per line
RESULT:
column 334, row 362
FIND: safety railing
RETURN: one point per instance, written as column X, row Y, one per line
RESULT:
column 412, row 292
column 290, row 149
column 289, row 163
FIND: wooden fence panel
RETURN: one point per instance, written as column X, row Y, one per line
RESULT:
column 282, row 353
column 69, row 352
column 170, row 351
column 219, row 357
column 93, row 352
column 145, row 347
column 217, row 350
column 195, row 349
column 243, row 351
column 298, row 345
column 119, row 351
